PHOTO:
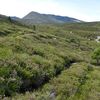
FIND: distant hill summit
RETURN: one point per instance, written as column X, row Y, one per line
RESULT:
column 37, row 18
column 3, row 17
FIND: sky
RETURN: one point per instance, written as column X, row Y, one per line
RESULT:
column 86, row 10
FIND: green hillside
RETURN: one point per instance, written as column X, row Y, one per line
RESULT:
column 38, row 60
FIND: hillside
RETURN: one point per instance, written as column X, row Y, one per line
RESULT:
column 42, row 62
column 37, row 18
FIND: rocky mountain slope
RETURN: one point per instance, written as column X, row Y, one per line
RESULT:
column 37, row 18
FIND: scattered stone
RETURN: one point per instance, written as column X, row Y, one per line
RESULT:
column 52, row 95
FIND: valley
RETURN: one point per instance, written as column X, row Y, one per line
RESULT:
column 49, row 61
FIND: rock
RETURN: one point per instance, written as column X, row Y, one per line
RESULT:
column 52, row 95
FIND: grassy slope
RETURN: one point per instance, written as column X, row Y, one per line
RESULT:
column 76, row 83
column 29, row 58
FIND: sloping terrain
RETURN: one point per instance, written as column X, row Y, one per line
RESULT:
column 37, row 18
column 76, row 83
column 53, row 61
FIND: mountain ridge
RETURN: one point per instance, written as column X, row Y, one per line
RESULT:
column 38, row 18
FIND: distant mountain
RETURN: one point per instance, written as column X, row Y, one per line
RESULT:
column 37, row 18
column 9, row 18
column 3, row 17
column 15, row 18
